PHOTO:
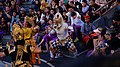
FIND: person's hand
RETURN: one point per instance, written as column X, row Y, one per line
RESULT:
column 93, row 12
column 112, row 51
column 2, row 54
column 1, row 3
column 5, row 12
column 118, row 36
column 90, row 32
column 8, row 24
column 103, row 48
column 20, row 23
column 95, row 42
column 18, row 20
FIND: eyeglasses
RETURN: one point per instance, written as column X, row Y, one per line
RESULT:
column 107, row 34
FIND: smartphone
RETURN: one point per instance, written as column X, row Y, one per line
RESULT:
column 101, row 45
column 95, row 37
column 106, row 45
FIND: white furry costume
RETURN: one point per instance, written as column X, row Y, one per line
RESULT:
column 61, row 27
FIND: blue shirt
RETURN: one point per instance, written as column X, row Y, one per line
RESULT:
column 88, row 28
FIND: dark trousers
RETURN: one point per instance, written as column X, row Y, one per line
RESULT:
column 77, row 33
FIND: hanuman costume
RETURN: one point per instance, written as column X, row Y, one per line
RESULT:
column 63, row 39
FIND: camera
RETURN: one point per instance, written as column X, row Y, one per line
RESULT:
column 95, row 37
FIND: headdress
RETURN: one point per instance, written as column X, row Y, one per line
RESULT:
column 29, row 20
column 17, row 32
column 58, row 18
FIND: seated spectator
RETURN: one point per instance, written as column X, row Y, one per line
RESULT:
column 78, row 26
column 65, row 17
column 43, row 5
column 2, row 2
column 113, row 43
column 52, row 12
column 53, row 5
column 15, row 19
column 71, row 3
column 1, row 14
column 62, row 6
column 85, row 7
column 99, row 44
column 93, row 8
column 3, row 27
column 13, row 5
column 78, row 6
column 116, row 23
column 70, row 18
column 31, row 11
column 37, row 5
column 44, row 24
column 22, row 15
column 49, row 2
column 88, row 29
column 38, row 17
column 45, row 13
column 7, row 16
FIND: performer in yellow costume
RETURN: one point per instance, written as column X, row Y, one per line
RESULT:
column 43, row 5
column 29, row 32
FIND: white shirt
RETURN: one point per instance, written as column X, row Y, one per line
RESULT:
column 85, row 9
column 69, row 15
column 79, row 22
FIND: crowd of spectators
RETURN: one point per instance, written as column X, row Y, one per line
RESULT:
column 73, row 12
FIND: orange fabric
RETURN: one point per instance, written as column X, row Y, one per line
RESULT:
column 33, row 59
column 38, row 56
column 87, row 17
column 52, row 50
column 92, row 35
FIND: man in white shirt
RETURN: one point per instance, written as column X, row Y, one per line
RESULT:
column 78, row 26
column 69, row 14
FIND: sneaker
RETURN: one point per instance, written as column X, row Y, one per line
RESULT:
column 76, row 40
column 50, row 61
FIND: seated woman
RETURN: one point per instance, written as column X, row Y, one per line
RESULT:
column 99, row 43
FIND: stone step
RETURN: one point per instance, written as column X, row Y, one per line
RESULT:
column 27, row 3
column 27, row 6
column 6, row 37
